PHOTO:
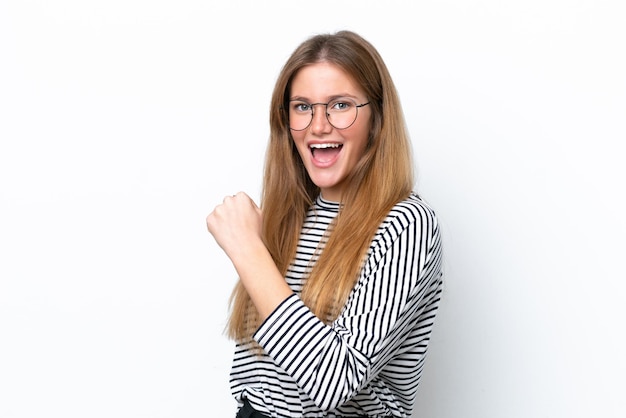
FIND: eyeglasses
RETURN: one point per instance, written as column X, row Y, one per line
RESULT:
column 341, row 113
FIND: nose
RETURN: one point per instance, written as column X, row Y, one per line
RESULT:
column 319, row 123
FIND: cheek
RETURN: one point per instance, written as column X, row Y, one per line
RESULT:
column 297, row 136
column 365, row 132
column 297, row 139
column 360, row 139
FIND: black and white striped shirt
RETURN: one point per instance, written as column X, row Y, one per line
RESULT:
column 368, row 362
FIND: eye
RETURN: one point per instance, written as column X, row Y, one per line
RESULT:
column 340, row 105
column 300, row 107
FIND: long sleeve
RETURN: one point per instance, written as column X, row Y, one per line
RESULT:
column 384, row 327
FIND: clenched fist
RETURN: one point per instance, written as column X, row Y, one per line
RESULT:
column 235, row 224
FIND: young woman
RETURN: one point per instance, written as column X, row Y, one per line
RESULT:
column 340, row 269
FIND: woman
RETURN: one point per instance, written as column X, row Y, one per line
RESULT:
column 340, row 272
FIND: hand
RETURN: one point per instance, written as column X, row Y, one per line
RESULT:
column 236, row 224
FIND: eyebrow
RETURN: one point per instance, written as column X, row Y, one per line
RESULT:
column 330, row 98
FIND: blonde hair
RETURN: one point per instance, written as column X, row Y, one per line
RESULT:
column 383, row 177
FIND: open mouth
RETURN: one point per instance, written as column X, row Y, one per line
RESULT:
column 325, row 152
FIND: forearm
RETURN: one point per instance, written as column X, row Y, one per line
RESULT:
column 260, row 276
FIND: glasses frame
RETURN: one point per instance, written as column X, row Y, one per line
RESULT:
column 357, row 106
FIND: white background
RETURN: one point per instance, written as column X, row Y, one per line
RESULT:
column 124, row 122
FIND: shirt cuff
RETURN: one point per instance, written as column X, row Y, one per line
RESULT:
column 289, row 330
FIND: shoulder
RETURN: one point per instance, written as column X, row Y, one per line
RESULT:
column 410, row 211
column 411, row 228
column 411, row 218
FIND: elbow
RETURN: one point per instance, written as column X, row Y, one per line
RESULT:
column 333, row 393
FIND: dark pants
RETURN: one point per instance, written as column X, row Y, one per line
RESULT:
column 248, row 411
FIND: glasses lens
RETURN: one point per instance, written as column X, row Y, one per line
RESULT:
column 300, row 115
column 341, row 113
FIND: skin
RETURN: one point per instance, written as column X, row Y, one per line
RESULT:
column 236, row 223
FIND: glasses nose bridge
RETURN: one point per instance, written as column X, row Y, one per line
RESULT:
column 326, row 115
column 319, row 104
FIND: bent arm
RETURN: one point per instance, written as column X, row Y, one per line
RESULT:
column 236, row 226
column 332, row 363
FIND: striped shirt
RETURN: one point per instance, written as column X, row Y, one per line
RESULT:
column 369, row 361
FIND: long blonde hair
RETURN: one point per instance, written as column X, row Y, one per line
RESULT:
column 383, row 177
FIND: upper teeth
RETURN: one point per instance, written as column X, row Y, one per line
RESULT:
column 325, row 145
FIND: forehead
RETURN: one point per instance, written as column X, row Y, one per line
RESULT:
column 322, row 80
